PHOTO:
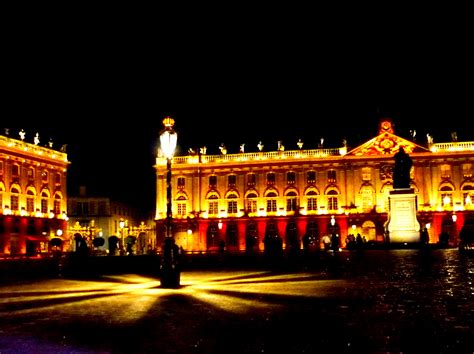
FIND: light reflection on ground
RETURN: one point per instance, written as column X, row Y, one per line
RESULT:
column 398, row 301
column 226, row 290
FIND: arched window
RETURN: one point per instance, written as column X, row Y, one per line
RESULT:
column 44, row 201
column 181, row 204
column 333, row 203
column 468, row 195
column 291, row 201
column 368, row 230
column 312, row 200
column 57, row 204
column 30, row 200
column 213, row 204
column 232, row 203
column 15, row 198
column 271, row 202
column 446, row 194
column 251, row 202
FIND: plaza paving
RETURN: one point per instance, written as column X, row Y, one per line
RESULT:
column 365, row 302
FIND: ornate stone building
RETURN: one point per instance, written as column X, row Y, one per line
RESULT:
column 119, row 225
column 292, row 199
column 33, row 197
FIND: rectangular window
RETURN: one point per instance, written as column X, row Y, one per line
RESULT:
column 31, row 175
column 58, row 179
column 212, row 181
column 271, row 205
column 366, row 174
column 213, row 208
column 44, row 176
column 270, row 178
column 332, row 203
column 182, row 208
column 232, row 207
column 291, row 204
column 445, row 171
column 44, row 206
column 311, row 177
column 1, row 168
column 467, row 170
column 251, row 206
column 290, row 178
column 14, row 202
column 181, row 183
column 57, row 207
column 251, row 180
column 15, row 171
column 332, row 176
column 312, row 204
column 30, row 204
column 231, row 179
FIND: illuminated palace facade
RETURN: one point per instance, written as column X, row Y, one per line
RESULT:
column 242, row 200
column 33, row 197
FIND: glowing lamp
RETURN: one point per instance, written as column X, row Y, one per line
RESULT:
column 454, row 217
column 168, row 138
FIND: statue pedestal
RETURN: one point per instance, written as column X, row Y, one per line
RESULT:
column 403, row 227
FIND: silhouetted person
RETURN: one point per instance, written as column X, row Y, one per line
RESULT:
column 401, row 171
column 335, row 242
column 424, row 237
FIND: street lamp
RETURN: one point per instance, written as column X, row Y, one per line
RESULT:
column 121, row 226
column 170, row 274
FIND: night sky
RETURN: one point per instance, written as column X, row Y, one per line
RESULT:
column 105, row 95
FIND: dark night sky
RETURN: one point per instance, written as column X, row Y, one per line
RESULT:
column 105, row 94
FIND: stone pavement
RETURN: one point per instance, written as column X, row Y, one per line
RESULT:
column 366, row 302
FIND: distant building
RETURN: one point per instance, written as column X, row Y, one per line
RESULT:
column 118, row 224
column 293, row 198
column 33, row 197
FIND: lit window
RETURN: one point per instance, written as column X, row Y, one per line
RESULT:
column 271, row 202
column 332, row 200
column 290, row 178
column 232, row 204
column 231, row 181
column 332, row 176
column 251, row 203
column 366, row 174
column 291, row 201
column 213, row 205
column 270, row 178
column 312, row 201
column 212, row 181
column 311, row 177
column 251, row 179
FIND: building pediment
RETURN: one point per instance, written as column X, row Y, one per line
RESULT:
column 386, row 143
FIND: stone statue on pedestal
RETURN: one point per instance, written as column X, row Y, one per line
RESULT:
column 401, row 171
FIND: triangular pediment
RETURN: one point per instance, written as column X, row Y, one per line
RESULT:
column 386, row 144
